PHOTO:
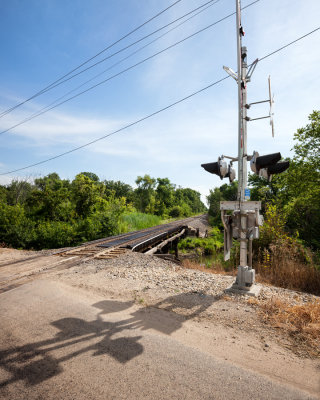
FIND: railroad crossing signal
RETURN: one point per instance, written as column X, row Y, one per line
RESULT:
column 268, row 165
column 221, row 169
column 245, row 220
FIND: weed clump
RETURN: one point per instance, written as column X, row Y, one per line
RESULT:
column 302, row 322
column 204, row 246
column 282, row 260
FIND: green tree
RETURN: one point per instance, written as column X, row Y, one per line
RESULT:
column 224, row 193
column 307, row 144
column 3, row 194
column 189, row 200
column 118, row 189
column 15, row 228
column 18, row 191
column 297, row 191
column 49, row 199
column 164, row 195
column 91, row 175
column 85, row 194
column 144, row 194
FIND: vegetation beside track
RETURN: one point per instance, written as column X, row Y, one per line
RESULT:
column 287, row 254
column 135, row 221
column 51, row 212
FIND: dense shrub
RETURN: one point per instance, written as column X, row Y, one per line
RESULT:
column 207, row 246
column 52, row 212
column 15, row 228
column 54, row 234
column 176, row 212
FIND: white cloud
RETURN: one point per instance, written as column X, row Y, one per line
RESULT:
column 177, row 141
column 59, row 127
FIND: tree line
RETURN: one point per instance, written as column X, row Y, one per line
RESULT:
column 51, row 212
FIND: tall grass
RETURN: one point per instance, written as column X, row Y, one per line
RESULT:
column 136, row 221
column 302, row 322
column 282, row 260
column 283, row 264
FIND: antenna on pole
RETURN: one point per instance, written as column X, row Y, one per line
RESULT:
column 271, row 101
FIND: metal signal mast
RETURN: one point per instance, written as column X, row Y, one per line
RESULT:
column 243, row 224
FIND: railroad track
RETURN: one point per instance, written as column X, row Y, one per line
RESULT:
column 142, row 241
column 147, row 240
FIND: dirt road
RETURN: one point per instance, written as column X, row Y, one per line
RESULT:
column 82, row 333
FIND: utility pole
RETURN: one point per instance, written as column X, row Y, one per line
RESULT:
column 244, row 221
column 242, row 132
column 239, row 221
column 242, row 100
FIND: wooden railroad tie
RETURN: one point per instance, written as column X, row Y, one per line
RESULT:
column 95, row 252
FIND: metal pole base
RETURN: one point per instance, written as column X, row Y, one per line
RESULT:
column 244, row 283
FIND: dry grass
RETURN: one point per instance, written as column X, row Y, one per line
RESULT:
column 285, row 267
column 215, row 269
column 302, row 322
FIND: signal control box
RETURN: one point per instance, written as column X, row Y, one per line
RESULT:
column 242, row 224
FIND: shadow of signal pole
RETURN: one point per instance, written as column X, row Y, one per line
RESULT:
column 34, row 362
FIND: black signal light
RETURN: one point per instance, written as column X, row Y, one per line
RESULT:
column 219, row 168
column 267, row 160
column 278, row 168
column 213, row 168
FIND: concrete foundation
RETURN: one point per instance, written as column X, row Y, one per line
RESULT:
column 253, row 290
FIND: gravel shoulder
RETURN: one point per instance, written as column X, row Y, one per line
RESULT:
column 191, row 307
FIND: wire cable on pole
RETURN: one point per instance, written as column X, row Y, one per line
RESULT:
column 90, row 59
column 289, row 44
column 124, row 70
column 152, row 114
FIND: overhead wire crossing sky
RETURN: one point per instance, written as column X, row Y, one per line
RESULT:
column 156, row 112
column 45, row 109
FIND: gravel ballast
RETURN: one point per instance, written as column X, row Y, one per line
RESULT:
column 140, row 270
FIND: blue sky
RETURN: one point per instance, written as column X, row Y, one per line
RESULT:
column 44, row 39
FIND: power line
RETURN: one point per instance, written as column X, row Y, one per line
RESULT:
column 289, row 44
column 125, row 58
column 121, row 129
column 123, row 71
column 152, row 114
column 90, row 59
column 124, row 48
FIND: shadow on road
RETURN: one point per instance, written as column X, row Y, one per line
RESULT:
column 39, row 361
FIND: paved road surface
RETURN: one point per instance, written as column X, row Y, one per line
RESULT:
column 61, row 343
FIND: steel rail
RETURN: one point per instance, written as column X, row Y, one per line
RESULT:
column 92, row 244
